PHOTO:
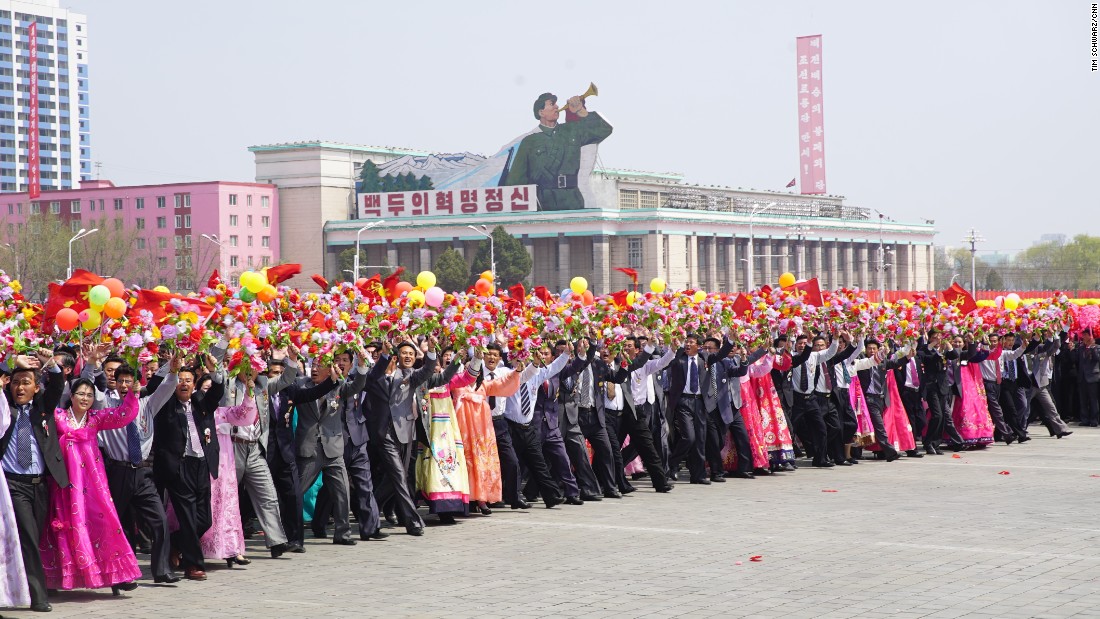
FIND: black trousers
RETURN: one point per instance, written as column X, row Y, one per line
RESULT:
column 996, row 413
column 528, row 449
column 716, row 440
column 834, row 436
column 285, row 477
column 615, row 438
column 1089, row 402
column 31, row 502
column 876, row 404
column 914, row 409
column 691, row 440
column 394, row 486
column 937, row 416
column 509, row 462
column 361, row 491
column 135, row 497
column 635, row 423
column 573, row 436
column 809, row 411
column 605, row 454
column 190, row 495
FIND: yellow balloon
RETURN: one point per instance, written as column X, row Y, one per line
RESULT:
column 657, row 285
column 699, row 296
column 161, row 289
column 1012, row 301
column 631, row 298
column 94, row 320
column 425, row 279
column 787, row 280
column 415, row 297
column 578, row 285
column 486, row 275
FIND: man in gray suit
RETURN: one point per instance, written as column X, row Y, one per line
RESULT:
column 320, row 438
column 722, row 401
column 573, row 433
column 394, row 408
column 250, row 444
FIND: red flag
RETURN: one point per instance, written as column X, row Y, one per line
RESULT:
column 741, row 305
column 518, row 293
column 809, row 291
column 543, row 294
column 392, row 280
column 214, row 280
column 158, row 303
column 631, row 273
column 317, row 320
column 320, row 281
column 619, row 298
column 368, row 285
column 958, row 296
column 791, row 184
column 282, row 272
column 73, row 293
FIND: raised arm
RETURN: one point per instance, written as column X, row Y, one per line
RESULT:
column 160, row 396
column 117, row 417
column 502, row 387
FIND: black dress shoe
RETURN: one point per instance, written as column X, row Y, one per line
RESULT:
column 824, row 465
column 842, row 463
column 344, row 542
column 740, row 475
column 322, row 534
column 627, row 490
column 521, row 505
column 1023, row 439
column 664, row 488
column 572, row 500
column 377, row 535
column 1066, row 433
column 278, row 549
column 498, row 505
column 296, row 548
column 718, row 479
column 673, row 475
column 591, row 497
column 913, row 453
column 856, row 461
column 390, row 518
column 446, row 519
column 612, row 494
column 41, row 607
column 893, row 455
column 485, row 511
column 167, row 579
column 701, row 482
column 415, row 531
column 553, row 501
column 762, row 471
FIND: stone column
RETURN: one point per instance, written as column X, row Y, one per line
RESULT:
column 458, row 246
column 848, row 277
column 529, row 246
column 819, row 271
column 832, row 270
column 712, row 264
column 745, row 266
column 425, row 255
column 732, row 254
column 391, row 255
column 564, row 266
column 784, row 251
column 764, row 275
column 601, row 264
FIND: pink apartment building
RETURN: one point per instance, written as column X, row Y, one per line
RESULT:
column 180, row 232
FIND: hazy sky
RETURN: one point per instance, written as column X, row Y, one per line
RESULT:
column 982, row 114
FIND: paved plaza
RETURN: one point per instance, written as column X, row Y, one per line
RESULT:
column 936, row 537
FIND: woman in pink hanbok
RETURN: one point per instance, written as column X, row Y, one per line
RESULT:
column 13, row 578
column 757, row 413
column 83, row 546
column 898, row 429
column 970, row 412
column 225, row 537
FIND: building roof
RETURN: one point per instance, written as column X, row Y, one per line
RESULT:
column 382, row 150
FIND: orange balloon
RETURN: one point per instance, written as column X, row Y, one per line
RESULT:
column 483, row 287
column 115, row 307
column 67, row 319
column 267, row 294
column 588, row 298
column 116, row 287
column 401, row 288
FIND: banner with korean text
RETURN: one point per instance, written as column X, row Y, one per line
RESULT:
column 437, row 203
column 34, row 164
column 811, row 120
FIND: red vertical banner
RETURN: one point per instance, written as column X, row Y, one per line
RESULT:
column 811, row 120
column 34, row 174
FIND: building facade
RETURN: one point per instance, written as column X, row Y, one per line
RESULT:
column 64, row 131
column 689, row 235
column 179, row 233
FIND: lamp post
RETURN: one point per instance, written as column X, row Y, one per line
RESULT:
column 973, row 237
column 357, row 233
column 76, row 237
column 492, row 249
column 750, row 283
column 213, row 238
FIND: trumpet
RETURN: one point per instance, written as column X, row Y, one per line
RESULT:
column 591, row 92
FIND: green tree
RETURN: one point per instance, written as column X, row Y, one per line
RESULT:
column 993, row 280
column 369, row 181
column 425, row 183
column 451, row 271
column 389, row 183
column 513, row 261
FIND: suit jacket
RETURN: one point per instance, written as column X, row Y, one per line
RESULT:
column 881, row 369
column 237, row 390
column 1088, row 363
column 546, row 404
column 728, row 373
column 43, row 405
column 383, row 391
column 349, row 395
column 934, row 368
column 170, row 433
column 566, row 387
column 281, row 441
column 319, row 419
column 603, row 373
column 678, row 373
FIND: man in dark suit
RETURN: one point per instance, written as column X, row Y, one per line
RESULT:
column 30, row 453
column 639, row 401
column 722, row 400
column 574, row 433
column 933, row 354
column 1088, row 379
column 873, row 382
column 391, row 387
column 818, row 429
column 685, row 406
column 547, row 426
column 185, row 457
column 281, row 447
column 581, row 384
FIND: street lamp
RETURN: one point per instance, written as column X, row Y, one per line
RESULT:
column 213, row 238
column 76, row 237
column 492, row 248
column 357, row 233
column 749, row 283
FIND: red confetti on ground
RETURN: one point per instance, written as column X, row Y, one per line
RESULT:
column 956, row 456
column 756, row 558
column 828, row 490
column 1094, row 475
column 1004, row 473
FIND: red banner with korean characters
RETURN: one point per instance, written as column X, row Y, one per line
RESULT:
column 443, row 202
column 811, row 120
column 34, row 167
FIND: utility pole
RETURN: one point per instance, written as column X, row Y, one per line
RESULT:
column 800, row 231
column 973, row 237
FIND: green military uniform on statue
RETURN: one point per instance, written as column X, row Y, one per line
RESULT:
column 550, row 158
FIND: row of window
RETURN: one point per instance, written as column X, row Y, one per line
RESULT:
column 234, row 220
column 265, row 201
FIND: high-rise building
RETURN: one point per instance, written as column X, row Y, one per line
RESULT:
column 63, row 122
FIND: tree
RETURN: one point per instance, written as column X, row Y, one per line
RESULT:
column 38, row 252
column 513, row 261
column 993, row 280
column 369, row 181
column 389, row 183
column 451, row 271
column 425, row 183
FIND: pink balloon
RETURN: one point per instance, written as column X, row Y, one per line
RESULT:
column 83, row 316
column 433, row 297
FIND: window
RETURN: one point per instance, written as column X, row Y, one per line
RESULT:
column 248, row 200
column 232, row 199
column 248, row 220
column 250, row 261
column 266, row 221
column 265, row 201
column 233, row 220
column 179, row 221
column 139, row 203
column 265, row 241
column 141, row 243
column 178, row 200
column 232, row 240
column 187, row 241
column 634, row 252
column 35, row 208
column 186, row 221
column 233, row 261
column 179, row 242
column 162, row 243
column 75, row 225
column 179, row 262
column 118, row 223
column 55, row 208
column 74, row 206
column 265, row 261
column 187, row 200
column 162, row 262
column 160, row 201
column 140, row 223
column 250, row 240
column 118, row 204
column 162, row 222
column 101, row 205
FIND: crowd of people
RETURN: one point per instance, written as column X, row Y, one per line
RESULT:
column 179, row 456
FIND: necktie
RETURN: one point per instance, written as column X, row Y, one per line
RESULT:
column 712, row 389
column 192, row 429
column 133, row 443
column 584, row 388
column 876, row 381
column 525, row 399
column 492, row 398
column 847, row 376
column 1010, row 366
column 693, row 376
column 23, row 433
column 998, row 366
column 803, row 379
column 915, row 375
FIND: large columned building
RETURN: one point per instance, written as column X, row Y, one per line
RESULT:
column 690, row 235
